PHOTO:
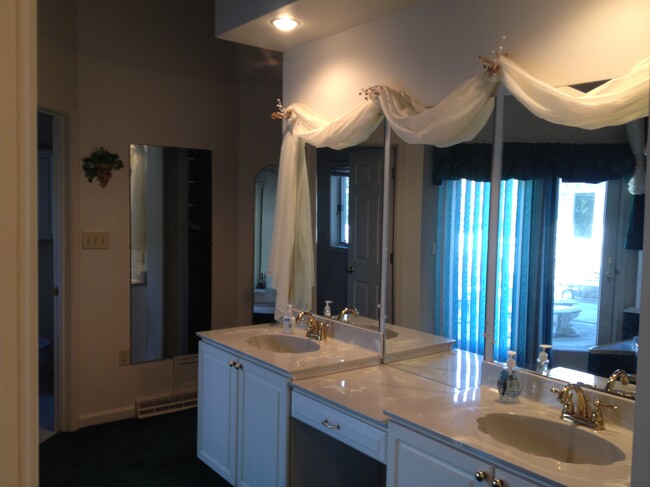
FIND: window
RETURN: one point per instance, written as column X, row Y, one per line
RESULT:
column 462, row 262
column 550, row 242
column 583, row 214
column 340, row 201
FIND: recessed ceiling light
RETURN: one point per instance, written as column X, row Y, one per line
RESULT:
column 285, row 24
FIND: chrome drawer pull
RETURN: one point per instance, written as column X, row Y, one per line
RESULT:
column 327, row 424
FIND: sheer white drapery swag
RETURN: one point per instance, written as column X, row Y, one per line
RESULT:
column 457, row 118
column 636, row 134
column 618, row 101
column 291, row 260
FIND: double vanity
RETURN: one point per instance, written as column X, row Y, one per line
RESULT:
column 279, row 410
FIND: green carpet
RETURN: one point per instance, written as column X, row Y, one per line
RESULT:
column 158, row 451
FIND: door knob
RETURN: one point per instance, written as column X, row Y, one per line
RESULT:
column 480, row 476
column 349, row 269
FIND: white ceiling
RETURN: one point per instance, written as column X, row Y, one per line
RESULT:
column 318, row 18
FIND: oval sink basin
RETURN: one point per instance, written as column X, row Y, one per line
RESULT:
column 283, row 344
column 558, row 440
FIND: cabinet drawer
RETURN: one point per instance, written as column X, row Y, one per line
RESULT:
column 368, row 439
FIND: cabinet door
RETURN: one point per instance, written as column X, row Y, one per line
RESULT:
column 263, row 427
column 417, row 461
column 217, row 411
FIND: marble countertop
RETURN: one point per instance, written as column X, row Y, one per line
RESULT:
column 437, row 394
column 456, row 368
column 401, row 342
column 338, row 352
column 369, row 391
column 440, row 396
column 452, row 418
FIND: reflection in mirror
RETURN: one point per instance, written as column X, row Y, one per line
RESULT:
column 266, row 183
column 349, row 217
column 171, row 250
column 568, row 248
column 442, row 204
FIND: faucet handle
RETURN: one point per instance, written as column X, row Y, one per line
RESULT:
column 325, row 328
column 597, row 414
column 559, row 393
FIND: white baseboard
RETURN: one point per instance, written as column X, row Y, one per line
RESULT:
column 101, row 417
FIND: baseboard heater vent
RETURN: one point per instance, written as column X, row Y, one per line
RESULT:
column 164, row 405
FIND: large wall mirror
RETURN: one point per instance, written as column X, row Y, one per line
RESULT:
column 348, row 255
column 568, row 237
column 171, row 250
column 567, row 264
column 568, row 240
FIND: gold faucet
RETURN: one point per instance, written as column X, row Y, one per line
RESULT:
column 579, row 414
column 315, row 329
column 343, row 315
column 624, row 378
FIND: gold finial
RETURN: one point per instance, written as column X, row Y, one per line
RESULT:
column 491, row 66
column 371, row 93
column 282, row 113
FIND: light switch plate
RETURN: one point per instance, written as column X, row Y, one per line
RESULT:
column 94, row 240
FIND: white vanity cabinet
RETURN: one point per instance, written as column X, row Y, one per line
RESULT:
column 243, row 418
column 416, row 460
column 340, row 425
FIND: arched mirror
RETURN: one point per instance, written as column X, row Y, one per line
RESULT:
column 568, row 245
column 171, row 250
column 266, row 184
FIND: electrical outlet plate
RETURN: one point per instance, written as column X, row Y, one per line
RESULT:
column 94, row 240
column 124, row 358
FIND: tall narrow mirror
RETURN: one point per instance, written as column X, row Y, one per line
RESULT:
column 171, row 250
column 266, row 185
column 567, row 264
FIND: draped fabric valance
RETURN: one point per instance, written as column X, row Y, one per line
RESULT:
column 457, row 118
column 291, row 260
column 618, row 101
column 587, row 163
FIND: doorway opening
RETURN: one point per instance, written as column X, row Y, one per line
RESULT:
column 49, row 267
column 578, row 249
column 349, row 192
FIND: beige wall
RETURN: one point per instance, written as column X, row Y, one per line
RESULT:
column 150, row 72
column 430, row 49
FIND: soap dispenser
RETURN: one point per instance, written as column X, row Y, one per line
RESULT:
column 508, row 384
column 542, row 360
column 288, row 321
column 327, row 311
